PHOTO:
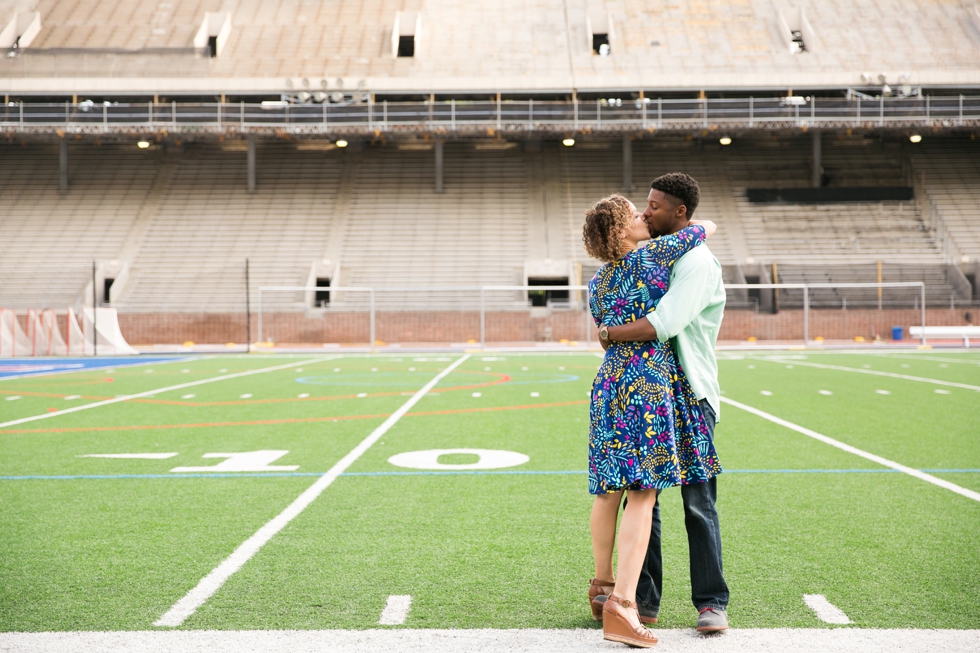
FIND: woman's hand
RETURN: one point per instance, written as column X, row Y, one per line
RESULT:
column 709, row 226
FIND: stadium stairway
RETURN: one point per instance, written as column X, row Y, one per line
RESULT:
column 950, row 170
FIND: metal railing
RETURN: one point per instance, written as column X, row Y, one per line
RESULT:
column 806, row 287
column 506, row 115
column 579, row 300
column 576, row 302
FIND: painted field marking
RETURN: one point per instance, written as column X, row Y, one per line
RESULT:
column 247, row 461
column 966, row 361
column 941, row 392
column 298, row 420
column 146, row 456
column 211, row 583
column 882, row 392
column 13, row 398
column 928, row 478
column 826, row 611
column 892, row 375
column 486, row 459
column 396, row 610
column 82, row 368
column 71, row 397
column 180, row 386
column 826, row 392
column 245, row 396
column 765, row 393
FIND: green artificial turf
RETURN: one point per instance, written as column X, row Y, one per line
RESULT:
column 488, row 550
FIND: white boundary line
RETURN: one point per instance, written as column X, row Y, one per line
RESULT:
column 211, row 583
column 93, row 369
column 432, row 640
column 893, row 375
column 928, row 478
column 116, row 400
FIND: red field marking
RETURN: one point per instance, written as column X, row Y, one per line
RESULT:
column 293, row 420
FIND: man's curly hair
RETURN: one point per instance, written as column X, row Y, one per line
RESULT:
column 606, row 223
column 680, row 187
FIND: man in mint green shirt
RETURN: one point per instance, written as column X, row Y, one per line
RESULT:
column 689, row 315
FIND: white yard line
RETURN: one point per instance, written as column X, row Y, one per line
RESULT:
column 211, row 583
column 405, row 640
column 826, row 611
column 928, row 478
column 396, row 610
column 190, row 384
column 892, row 375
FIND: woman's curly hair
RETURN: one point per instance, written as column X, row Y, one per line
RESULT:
column 606, row 223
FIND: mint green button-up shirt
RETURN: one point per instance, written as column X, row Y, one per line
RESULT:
column 690, row 313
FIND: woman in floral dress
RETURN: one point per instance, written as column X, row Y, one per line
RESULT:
column 647, row 431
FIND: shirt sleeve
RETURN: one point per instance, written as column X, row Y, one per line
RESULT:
column 692, row 284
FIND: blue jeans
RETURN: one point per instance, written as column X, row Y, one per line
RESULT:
column 708, row 587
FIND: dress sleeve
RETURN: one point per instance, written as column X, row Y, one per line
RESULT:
column 665, row 250
column 594, row 306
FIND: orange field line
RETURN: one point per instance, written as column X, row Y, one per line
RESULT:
column 294, row 420
column 504, row 378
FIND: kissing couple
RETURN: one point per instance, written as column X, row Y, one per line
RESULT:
column 654, row 404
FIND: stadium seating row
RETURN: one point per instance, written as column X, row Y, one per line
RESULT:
column 544, row 39
column 175, row 226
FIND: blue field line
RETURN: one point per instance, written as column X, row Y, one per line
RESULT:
column 19, row 368
column 70, row 477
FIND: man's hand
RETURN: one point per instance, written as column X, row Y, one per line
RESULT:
column 639, row 331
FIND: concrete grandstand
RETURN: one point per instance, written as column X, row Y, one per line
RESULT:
column 441, row 144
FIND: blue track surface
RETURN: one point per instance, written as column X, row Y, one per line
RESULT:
column 21, row 367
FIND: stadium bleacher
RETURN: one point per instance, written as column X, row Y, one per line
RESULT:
column 173, row 223
column 543, row 44
column 181, row 223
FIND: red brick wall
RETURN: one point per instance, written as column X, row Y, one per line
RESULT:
column 517, row 326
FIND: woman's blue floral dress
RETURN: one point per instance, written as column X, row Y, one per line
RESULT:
column 647, row 429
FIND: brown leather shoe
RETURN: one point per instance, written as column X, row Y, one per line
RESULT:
column 617, row 628
column 599, row 588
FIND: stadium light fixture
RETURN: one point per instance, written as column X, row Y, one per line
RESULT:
column 341, row 143
column 568, row 142
column 725, row 140
column 915, row 138
column 143, row 144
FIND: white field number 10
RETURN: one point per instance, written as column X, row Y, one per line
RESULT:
column 247, row 461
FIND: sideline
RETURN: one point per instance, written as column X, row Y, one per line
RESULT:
column 928, row 478
column 211, row 583
column 840, row 368
column 736, row 640
column 189, row 384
